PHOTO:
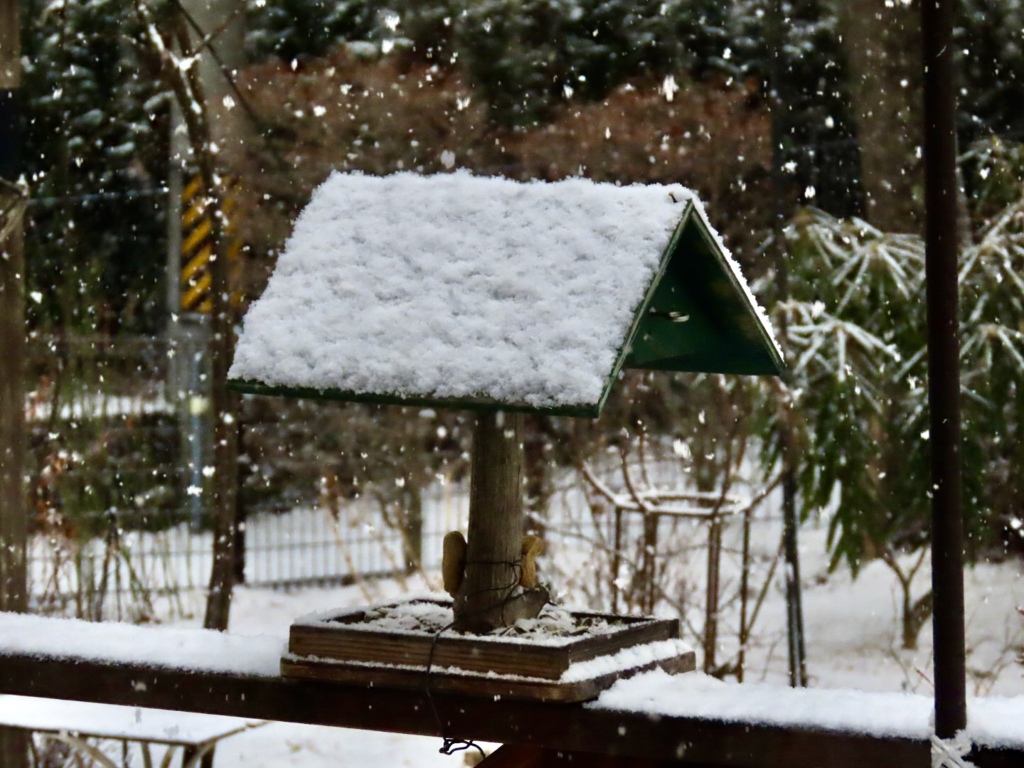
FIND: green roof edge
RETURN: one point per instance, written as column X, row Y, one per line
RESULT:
column 312, row 393
column 762, row 349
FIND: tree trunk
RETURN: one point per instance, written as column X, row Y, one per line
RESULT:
column 191, row 94
column 487, row 598
column 882, row 43
column 916, row 614
column 539, row 485
column 711, row 602
column 790, row 457
column 225, row 435
column 412, row 533
column 13, row 512
column 175, row 33
column 225, row 456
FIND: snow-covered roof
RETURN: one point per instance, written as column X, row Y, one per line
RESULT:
column 461, row 290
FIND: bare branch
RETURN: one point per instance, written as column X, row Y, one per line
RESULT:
column 628, row 479
column 597, row 484
column 206, row 44
column 206, row 39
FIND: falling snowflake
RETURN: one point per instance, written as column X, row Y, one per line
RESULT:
column 669, row 87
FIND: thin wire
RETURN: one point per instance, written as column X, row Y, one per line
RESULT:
column 98, row 196
column 449, row 748
column 450, row 745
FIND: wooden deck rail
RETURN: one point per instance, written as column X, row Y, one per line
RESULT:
column 558, row 726
column 585, row 728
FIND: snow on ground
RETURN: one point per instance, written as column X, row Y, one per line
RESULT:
column 311, row 747
column 282, row 744
column 853, row 635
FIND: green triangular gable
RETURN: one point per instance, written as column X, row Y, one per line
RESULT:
column 697, row 316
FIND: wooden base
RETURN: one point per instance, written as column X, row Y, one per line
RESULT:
column 473, row 684
column 334, row 647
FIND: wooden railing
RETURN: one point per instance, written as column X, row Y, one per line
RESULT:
column 176, row 676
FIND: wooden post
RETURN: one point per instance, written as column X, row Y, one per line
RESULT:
column 711, row 604
column 741, row 658
column 616, row 560
column 649, row 569
column 412, row 532
column 485, row 599
column 13, row 512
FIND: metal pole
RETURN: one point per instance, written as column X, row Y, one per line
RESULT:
column 791, row 553
column 791, row 519
column 944, row 367
column 177, row 160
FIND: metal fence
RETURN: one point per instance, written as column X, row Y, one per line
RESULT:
column 136, row 575
column 118, row 512
column 310, row 546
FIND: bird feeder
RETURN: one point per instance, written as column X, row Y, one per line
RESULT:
column 455, row 291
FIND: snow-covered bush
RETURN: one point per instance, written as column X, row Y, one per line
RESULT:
column 992, row 312
column 854, row 327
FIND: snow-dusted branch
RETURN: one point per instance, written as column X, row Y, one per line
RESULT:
column 14, row 209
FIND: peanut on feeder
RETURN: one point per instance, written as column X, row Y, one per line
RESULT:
column 453, row 561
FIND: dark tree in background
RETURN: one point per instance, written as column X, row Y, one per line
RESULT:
column 95, row 157
column 991, row 70
column 882, row 42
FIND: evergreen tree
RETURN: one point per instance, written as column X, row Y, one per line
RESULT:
column 792, row 50
column 302, row 29
column 95, row 155
column 991, row 69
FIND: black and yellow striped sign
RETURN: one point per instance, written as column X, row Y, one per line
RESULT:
column 197, row 245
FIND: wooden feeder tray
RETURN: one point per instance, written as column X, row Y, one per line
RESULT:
column 334, row 647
